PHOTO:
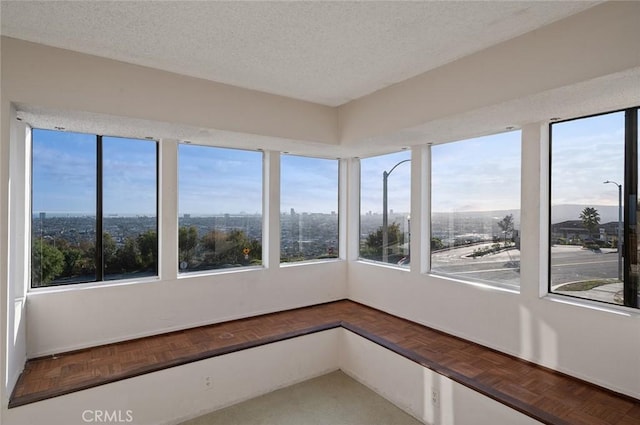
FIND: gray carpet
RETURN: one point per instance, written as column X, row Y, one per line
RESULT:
column 333, row 399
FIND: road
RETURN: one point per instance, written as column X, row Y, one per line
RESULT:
column 568, row 264
column 571, row 264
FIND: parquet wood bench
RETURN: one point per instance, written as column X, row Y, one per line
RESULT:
column 546, row 395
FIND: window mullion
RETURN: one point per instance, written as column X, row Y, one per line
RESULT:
column 99, row 213
column 630, row 212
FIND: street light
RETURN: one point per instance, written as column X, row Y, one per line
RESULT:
column 409, row 236
column 385, row 218
column 619, row 227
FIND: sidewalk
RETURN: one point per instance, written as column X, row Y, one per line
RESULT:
column 610, row 293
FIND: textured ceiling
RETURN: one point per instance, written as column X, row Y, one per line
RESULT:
column 323, row 52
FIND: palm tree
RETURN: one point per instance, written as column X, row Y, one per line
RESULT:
column 590, row 219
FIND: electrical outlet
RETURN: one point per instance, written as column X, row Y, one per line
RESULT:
column 435, row 397
column 208, row 382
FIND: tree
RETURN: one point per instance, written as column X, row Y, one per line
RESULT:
column 506, row 225
column 128, row 257
column 373, row 244
column 71, row 258
column 590, row 219
column 224, row 248
column 187, row 242
column 436, row 243
column 109, row 254
column 148, row 246
column 47, row 262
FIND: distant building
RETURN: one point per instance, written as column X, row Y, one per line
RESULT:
column 571, row 230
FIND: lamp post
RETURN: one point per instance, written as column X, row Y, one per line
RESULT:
column 385, row 215
column 619, row 227
column 409, row 236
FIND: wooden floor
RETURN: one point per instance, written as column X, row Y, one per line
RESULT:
column 545, row 395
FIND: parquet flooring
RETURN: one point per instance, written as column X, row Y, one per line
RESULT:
column 546, row 395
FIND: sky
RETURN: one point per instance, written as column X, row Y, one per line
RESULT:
column 219, row 181
column 398, row 183
column 585, row 153
column 480, row 174
column 308, row 184
column 64, row 174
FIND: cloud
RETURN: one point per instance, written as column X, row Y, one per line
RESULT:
column 585, row 153
column 217, row 180
column 480, row 174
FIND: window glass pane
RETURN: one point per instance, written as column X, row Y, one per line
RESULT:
column 63, row 208
column 635, row 267
column 587, row 177
column 475, row 209
column 130, row 230
column 220, row 208
column 395, row 170
column 309, row 208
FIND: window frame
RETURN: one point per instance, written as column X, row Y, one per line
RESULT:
column 482, row 283
column 339, row 176
column 99, row 257
column 263, row 212
column 358, row 241
column 630, row 174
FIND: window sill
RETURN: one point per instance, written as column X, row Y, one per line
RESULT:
column 492, row 286
column 384, row 265
column 216, row 272
column 593, row 305
column 92, row 285
column 310, row 262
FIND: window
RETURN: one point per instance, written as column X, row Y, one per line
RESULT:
column 309, row 208
column 475, row 209
column 385, row 203
column 594, row 170
column 220, row 208
column 94, row 208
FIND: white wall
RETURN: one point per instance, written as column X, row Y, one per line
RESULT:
column 69, row 319
column 173, row 395
column 5, row 136
column 48, row 77
column 17, row 271
column 410, row 386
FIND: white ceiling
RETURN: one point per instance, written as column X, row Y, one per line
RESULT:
column 323, row 52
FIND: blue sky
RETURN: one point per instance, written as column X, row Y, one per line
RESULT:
column 479, row 174
column 308, row 184
column 217, row 181
column 64, row 174
column 586, row 152
column 398, row 183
